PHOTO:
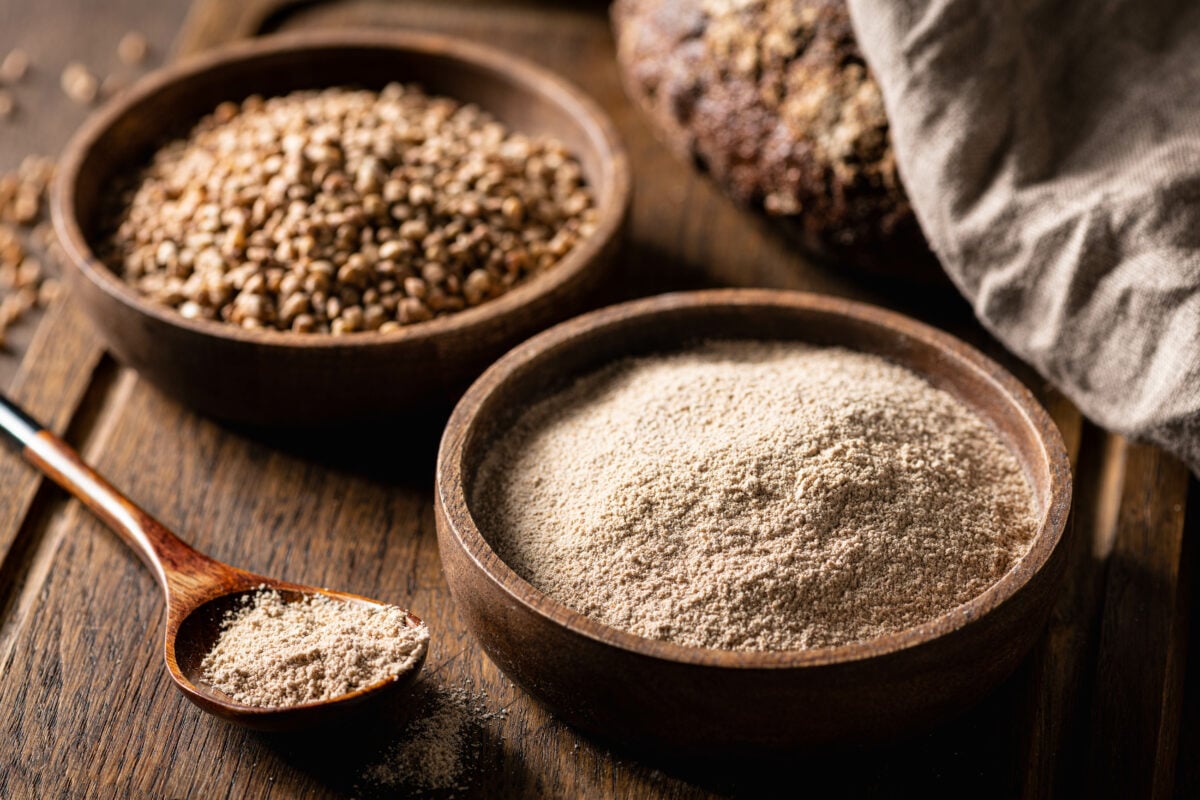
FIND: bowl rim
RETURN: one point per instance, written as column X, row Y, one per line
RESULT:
column 452, row 501
column 612, row 203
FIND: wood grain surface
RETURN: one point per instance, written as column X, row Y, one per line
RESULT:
column 1105, row 704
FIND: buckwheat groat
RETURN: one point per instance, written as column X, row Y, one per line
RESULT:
column 346, row 210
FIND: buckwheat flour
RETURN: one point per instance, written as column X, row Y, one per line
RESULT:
column 273, row 653
column 438, row 746
column 755, row 496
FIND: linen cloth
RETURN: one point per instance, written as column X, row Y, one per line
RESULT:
column 1051, row 150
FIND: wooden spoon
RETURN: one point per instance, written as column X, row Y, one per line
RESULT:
column 199, row 591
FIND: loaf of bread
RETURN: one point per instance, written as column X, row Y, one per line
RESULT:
column 773, row 98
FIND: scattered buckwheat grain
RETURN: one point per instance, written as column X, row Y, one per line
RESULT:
column 132, row 49
column 113, row 83
column 78, row 83
column 14, row 66
column 25, row 240
column 346, row 210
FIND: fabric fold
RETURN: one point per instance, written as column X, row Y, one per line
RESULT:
column 1051, row 151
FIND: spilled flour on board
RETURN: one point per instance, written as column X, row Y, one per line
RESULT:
column 436, row 749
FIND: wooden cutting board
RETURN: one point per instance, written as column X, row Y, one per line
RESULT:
column 1100, row 706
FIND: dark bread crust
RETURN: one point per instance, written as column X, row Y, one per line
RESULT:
column 773, row 98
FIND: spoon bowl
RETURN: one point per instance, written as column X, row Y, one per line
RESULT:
column 193, row 631
column 200, row 591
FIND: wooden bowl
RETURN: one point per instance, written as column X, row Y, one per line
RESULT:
column 663, row 696
column 273, row 377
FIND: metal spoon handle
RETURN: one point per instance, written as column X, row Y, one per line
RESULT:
column 168, row 557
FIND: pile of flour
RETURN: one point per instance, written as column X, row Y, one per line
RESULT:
column 755, row 496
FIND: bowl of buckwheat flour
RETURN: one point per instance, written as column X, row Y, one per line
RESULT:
column 322, row 228
column 751, row 518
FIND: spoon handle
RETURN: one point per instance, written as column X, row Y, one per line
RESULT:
column 168, row 557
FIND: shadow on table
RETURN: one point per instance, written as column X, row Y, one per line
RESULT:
column 438, row 740
column 414, row 748
column 978, row 754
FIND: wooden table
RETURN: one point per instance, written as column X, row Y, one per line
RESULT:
column 1104, row 705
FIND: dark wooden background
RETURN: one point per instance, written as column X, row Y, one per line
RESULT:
column 1105, row 705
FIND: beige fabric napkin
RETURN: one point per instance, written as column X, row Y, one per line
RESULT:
column 1051, row 149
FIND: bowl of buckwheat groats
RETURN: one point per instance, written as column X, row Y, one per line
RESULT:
column 751, row 519
column 324, row 228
